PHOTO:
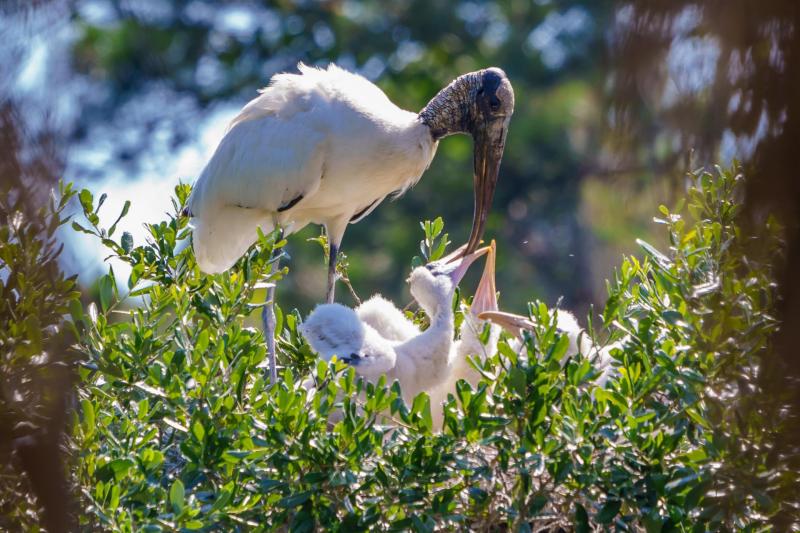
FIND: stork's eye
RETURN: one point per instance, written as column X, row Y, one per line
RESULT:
column 435, row 269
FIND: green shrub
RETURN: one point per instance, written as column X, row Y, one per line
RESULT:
column 36, row 367
column 179, row 428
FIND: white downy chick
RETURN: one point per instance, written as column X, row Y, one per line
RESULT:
column 418, row 362
column 470, row 345
column 566, row 324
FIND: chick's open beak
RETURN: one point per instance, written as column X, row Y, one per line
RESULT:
column 486, row 294
column 512, row 323
column 456, row 263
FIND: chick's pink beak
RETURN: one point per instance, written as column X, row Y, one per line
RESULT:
column 456, row 266
column 512, row 323
column 486, row 294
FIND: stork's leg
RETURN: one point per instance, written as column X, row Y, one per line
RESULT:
column 268, row 320
column 334, row 251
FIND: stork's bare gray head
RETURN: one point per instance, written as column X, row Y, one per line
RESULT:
column 481, row 104
column 495, row 105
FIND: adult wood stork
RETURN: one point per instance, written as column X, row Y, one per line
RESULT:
column 566, row 324
column 418, row 362
column 326, row 146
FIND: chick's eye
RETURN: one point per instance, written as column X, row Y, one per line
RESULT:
column 494, row 103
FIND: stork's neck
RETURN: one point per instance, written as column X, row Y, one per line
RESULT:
column 442, row 322
column 422, row 361
column 452, row 110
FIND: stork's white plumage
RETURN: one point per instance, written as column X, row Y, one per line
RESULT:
column 389, row 321
column 420, row 361
column 321, row 146
column 327, row 146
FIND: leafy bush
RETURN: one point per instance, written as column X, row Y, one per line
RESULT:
column 35, row 365
column 179, row 428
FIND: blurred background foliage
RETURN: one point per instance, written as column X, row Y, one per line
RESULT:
column 146, row 73
column 614, row 101
column 612, row 97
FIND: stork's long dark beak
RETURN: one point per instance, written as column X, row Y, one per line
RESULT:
column 489, row 137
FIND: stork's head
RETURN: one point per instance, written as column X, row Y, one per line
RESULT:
column 433, row 285
column 481, row 104
column 374, row 357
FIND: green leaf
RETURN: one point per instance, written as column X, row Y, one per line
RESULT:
column 608, row 512
column 78, row 227
column 106, row 292
column 222, row 500
column 294, row 500
column 672, row 317
column 113, row 501
column 558, row 350
column 87, row 409
column 659, row 258
column 538, row 503
column 177, row 496
column 518, row 380
column 126, row 242
column 438, row 226
column 76, row 310
column 198, row 430
column 124, row 212
column 427, row 421
column 581, row 519
column 118, row 469
column 85, row 198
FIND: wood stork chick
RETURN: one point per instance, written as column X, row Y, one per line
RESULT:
column 389, row 321
column 418, row 362
column 566, row 324
column 326, row 146
column 469, row 344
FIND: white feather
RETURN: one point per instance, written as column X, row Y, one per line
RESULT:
column 333, row 329
column 580, row 342
column 326, row 134
column 387, row 319
column 468, row 346
column 419, row 362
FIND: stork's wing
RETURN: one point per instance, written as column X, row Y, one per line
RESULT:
column 262, row 166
